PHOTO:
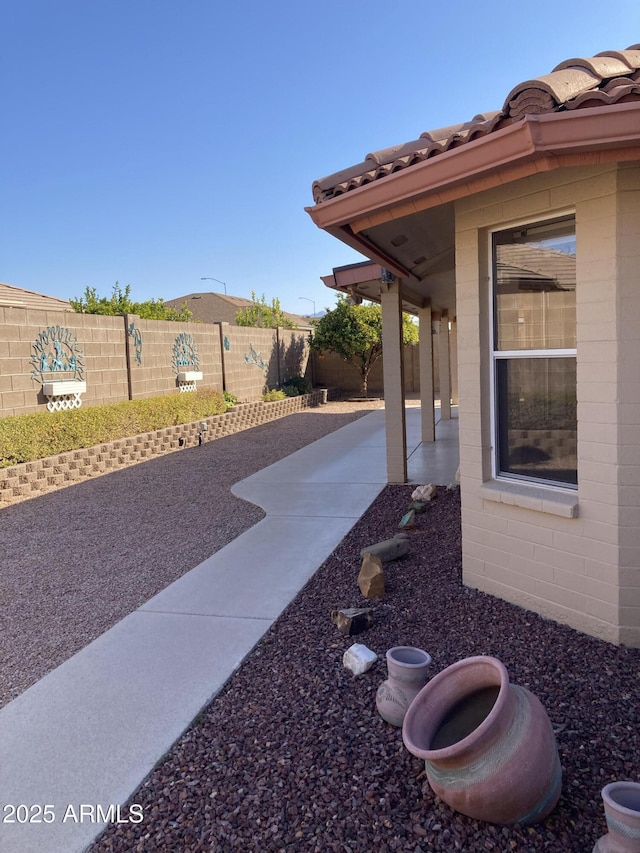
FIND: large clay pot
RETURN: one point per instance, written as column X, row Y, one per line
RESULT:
column 408, row 670
column 488, row 746
column 622, row 812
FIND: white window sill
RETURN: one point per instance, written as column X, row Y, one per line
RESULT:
column 556, row 502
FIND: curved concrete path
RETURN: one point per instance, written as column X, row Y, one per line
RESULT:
column 88, row 733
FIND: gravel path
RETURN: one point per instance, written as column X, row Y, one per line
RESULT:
column 292, row 755
column 76, row 561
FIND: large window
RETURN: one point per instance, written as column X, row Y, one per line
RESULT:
column 534, row 352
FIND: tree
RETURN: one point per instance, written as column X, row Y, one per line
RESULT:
column 354, row 332
column 262, row 315
column 120, row 302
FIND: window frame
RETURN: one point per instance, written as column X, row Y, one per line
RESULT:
column 497, row 355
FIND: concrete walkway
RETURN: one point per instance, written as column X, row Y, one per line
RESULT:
column 88, row 733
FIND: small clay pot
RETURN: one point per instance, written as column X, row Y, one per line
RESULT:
column 622, row 812
column 408, row 670
column 488, row 746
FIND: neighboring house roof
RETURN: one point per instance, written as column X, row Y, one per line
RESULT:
column 522, row 266
column 18, row 297
column 611, row 77
column 220, row 308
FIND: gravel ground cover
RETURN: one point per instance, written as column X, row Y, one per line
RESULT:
column 292, row 755
column 76, row 561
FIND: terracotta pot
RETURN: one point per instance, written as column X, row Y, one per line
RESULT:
column 488, row 746
column 622, row 812
column 408, row 670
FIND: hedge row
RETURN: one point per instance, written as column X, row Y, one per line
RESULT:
column 25, row 438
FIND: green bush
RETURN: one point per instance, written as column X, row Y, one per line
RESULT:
column 24, row 438
column 272, row 396
column 290, row 391
column 230, row 399
column 301, row 385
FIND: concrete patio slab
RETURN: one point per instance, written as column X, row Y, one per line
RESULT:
column 90, row 731
column 257, row 574
column 320, row 500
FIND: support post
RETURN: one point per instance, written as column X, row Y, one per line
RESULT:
column 132, row 348
column 223, row 329
column 453, row 358
column 445, row 374
column 425, row 347
column 280, row 354
column 393, row 373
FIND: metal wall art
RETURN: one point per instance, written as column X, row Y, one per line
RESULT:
column 136, row 334
column 58, row 364
column 253, row 357
column 185, row 362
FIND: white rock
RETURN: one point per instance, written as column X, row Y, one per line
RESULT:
column 359, row 658
column 423, row 493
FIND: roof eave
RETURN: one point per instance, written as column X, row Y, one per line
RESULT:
column 537, row 143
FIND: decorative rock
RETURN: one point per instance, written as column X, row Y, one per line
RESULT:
column 371, row 577
column 359, row 658
column 408, row 520
column 353, row 620
column 389, row 549
column 418, row 506
column 423, row 493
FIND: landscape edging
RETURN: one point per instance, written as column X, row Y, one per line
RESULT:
column 30, row 479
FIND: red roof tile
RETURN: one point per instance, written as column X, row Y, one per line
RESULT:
column 610, row 77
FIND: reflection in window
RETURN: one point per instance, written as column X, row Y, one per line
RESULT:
column 534, row 274
column 535, row 287
column 537, row 418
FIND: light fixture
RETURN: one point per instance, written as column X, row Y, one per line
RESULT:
column 311, row 301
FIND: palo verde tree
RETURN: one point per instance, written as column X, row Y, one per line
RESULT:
column 265, row 316
column 354, row 332
column 120, row 302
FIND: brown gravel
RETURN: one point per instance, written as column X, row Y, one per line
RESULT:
column 76, row 561
column 292, row 755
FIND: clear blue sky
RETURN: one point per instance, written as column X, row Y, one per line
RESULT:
column 152, row 142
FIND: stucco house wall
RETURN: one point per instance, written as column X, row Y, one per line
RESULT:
column 571, row 556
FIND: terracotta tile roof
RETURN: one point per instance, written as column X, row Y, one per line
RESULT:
column 18, row 297
column 610, row 77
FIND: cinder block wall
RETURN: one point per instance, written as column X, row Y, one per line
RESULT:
column 129, row 358
column 259, row 359
column 99, row 339
column 105, row 361
column 157, row 374
column 521, row 542
column 331, row 370
column 628, row 401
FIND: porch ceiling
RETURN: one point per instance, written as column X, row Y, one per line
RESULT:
column 424, row 245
